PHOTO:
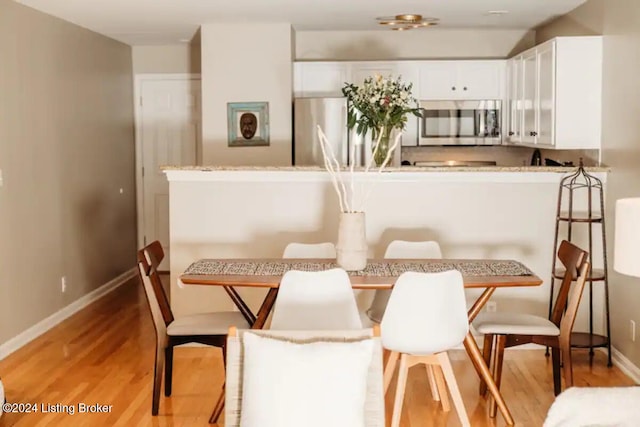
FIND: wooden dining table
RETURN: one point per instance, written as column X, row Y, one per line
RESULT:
column 378, row 274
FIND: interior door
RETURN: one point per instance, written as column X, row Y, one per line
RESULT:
column 170, row 132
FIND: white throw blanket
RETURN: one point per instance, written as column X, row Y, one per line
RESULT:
column 596, row 407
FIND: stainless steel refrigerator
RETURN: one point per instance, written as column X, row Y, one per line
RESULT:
column 331, row 115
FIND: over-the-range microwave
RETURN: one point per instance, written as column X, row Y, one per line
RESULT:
column 460, row 123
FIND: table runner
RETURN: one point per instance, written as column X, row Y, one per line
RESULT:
column 388, row 268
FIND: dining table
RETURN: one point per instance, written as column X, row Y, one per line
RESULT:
column 266, row 273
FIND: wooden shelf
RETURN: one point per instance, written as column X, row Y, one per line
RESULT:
column 595, row 275
column 586, row 340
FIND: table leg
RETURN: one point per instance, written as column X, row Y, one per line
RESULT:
column 265, row 308
column 242, row 306
column 471, row 346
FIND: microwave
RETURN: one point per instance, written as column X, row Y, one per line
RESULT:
column 460, row 123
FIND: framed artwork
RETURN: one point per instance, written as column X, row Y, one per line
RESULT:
column 248, row 124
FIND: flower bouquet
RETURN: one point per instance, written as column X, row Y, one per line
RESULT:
column 381, row 105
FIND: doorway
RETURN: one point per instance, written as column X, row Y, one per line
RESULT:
column 168, row 132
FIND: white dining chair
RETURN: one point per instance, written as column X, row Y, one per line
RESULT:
column 401, row 249
column 426, row 316
column 315, row 300
column 310, row 250
column 322, row 250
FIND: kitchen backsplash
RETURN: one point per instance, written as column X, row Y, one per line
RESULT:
column 502, row 155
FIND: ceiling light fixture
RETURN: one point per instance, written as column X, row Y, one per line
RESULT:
column 407, row 21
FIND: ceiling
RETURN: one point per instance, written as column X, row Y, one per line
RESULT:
column 140, row 22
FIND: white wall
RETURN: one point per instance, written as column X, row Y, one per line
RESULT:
column 236, row 214
column 417, row 44
column 246, row 63
column 179, row 58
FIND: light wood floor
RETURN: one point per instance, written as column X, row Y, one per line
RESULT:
column 104, row 355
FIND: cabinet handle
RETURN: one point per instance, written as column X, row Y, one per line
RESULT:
column 511, row 133
column 464, row 88
column 453, row 88
column 533, row 133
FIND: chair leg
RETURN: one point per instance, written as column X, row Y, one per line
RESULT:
column 567, row 368
column 402, row 383
column 498, row 358
column 168, row 370
column 217, row 411
column 157, row 379
column 555, row 360
column 433, row 384
column 486, row 354
column 449, row 376
column 442, row 387
column 389, row 369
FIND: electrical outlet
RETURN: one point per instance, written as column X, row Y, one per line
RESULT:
column 492, row 307
column 632, row 330
column 63, row 283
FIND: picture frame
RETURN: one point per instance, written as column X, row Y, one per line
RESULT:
column 248, row 124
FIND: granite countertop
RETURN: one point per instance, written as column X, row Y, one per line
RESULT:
column 557, row 169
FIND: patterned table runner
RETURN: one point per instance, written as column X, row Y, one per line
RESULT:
column 373, row 268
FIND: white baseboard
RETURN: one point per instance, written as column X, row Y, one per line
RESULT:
column 624, row 364
column 44, row 325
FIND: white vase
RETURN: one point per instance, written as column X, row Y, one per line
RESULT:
column 352, row 241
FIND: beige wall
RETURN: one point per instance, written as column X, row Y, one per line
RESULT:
column 620, row 24
column 418, row 44
column 66, row 148
column 246, row 63
column 182, row 58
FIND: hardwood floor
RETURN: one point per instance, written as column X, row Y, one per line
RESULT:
column 104, row 355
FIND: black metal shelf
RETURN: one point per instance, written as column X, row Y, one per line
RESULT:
column 581, row 182
column 595, row 275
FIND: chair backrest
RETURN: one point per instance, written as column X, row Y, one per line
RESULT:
column 401, row 249
column 310, row 250
column 416, row 250
column 149, row 258
column 319, row 300
column 576, row 264
column 374, row 401
column 427, row 313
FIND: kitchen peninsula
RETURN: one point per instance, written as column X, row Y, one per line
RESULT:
column 474, row 212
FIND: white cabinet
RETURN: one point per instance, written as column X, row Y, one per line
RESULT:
column 555, row 94
column 514, row 103
column 468, row 80
column 319, row 79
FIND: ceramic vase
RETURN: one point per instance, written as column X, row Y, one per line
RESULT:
column 352, row 241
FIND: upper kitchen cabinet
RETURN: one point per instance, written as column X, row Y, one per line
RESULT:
column 468, row 80
column 319, row 79
column 555, row 94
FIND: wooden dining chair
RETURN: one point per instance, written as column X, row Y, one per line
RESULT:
column 206, row 328
column 503, row 330
column 425, row 317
